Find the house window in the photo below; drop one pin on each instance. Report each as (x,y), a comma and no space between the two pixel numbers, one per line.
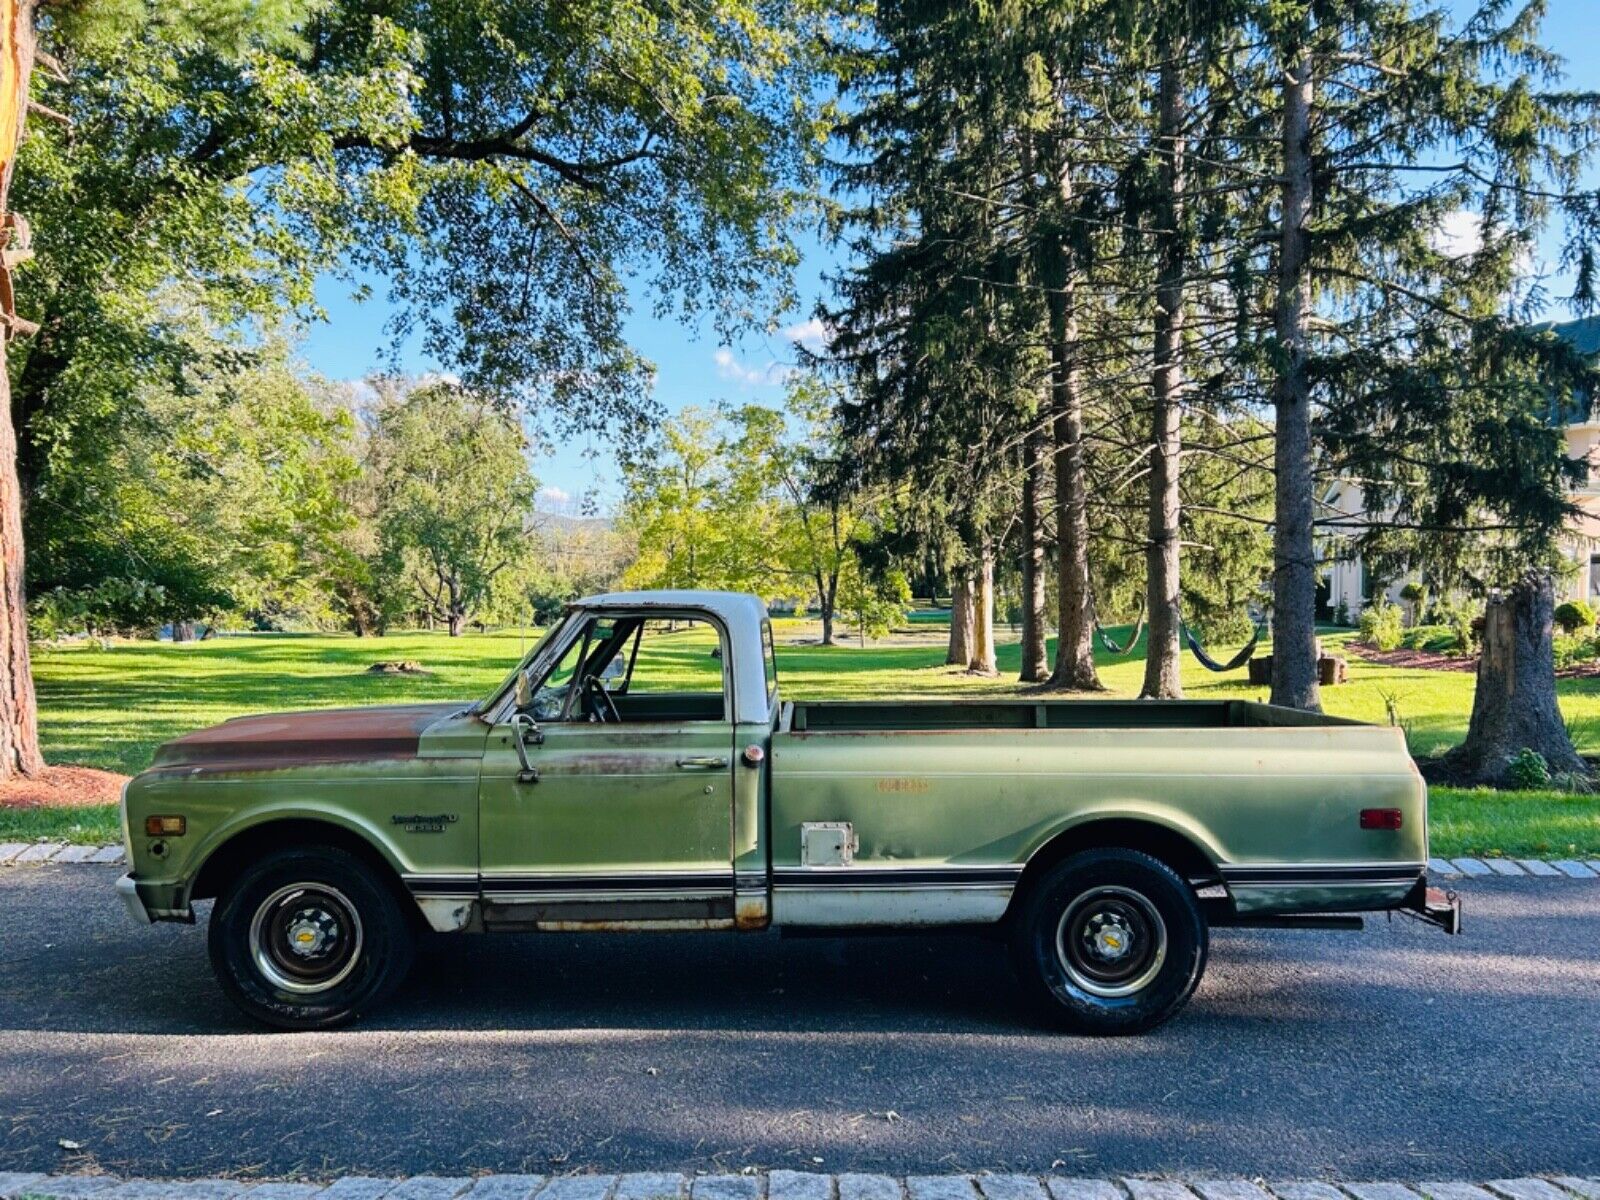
(1594,574)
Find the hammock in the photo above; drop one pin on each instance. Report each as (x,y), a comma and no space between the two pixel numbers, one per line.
(1234,663)
(1106,640)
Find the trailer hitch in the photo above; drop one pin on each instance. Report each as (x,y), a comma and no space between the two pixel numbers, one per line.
(1434,905)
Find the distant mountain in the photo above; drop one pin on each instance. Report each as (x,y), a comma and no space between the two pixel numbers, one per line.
(559,523)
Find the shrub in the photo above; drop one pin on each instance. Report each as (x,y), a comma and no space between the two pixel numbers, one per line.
(1575,616)
(1527,770)
(1574,651)
(1381,626)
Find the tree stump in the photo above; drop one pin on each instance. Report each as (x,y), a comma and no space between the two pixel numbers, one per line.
(1514,707)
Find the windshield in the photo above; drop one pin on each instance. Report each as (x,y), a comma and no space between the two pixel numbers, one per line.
(511,676)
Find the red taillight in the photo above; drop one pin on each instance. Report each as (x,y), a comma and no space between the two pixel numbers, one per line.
(1380,818)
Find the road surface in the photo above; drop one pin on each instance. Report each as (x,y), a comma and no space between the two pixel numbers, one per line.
(1393,1053)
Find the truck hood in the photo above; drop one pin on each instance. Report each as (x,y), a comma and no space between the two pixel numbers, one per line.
(275,740)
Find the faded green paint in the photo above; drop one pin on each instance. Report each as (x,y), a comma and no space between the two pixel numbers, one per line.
(926,787)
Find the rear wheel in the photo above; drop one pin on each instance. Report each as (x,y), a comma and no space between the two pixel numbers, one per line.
(308,938)
(1110,942)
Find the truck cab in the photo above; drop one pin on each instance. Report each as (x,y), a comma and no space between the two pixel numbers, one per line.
(623,778)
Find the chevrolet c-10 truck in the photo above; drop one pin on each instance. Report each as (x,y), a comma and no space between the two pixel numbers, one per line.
(638,770)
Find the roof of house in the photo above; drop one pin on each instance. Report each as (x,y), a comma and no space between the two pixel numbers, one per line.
(1584,333)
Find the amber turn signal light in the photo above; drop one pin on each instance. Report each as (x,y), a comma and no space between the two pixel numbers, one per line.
(165,826)
(1380,818)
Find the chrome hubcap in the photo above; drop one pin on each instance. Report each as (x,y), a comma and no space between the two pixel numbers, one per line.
(305,938)
(1111,941)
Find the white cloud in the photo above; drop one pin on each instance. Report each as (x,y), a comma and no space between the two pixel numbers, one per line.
(550,494)
(814,335)
(1458,234)
(730,366)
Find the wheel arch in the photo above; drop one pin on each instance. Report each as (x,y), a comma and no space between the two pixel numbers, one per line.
(243,846)
(1179,849)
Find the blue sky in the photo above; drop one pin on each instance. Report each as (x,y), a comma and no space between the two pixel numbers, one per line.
(692,366)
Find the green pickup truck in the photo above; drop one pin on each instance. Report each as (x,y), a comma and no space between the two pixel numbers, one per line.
(638,770)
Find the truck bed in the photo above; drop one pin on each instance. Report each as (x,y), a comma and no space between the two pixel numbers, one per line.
(846,716)
(943,803)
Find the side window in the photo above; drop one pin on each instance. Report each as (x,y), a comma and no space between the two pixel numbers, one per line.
(769,660)
(555,698)
(637,669)
(677,657)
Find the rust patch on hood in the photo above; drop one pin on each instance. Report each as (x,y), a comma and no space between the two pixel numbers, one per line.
(277,740)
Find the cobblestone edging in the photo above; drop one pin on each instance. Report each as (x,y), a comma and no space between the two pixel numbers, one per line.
(780,1185)
(37,853)
(27,854)
(1480,868)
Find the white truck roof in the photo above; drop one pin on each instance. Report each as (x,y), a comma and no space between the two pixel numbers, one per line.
(742,615)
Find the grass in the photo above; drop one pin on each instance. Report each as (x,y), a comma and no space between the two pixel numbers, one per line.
(1485,823)
(112,707)
(92,825)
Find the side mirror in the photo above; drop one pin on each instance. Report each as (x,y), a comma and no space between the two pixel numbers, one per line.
(525,732)
(523,696)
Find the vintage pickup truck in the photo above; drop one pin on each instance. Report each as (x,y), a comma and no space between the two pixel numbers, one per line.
(639,771)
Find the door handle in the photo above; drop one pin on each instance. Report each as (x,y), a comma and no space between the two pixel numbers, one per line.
(710,763)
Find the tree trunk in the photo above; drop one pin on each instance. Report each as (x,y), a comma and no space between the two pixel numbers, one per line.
(827,602)
(1294,557)
(1035,654)
(1514,707)
(1162,677)
(1074,667)
(961,618)
(19,717)
(183,631)
(981,659)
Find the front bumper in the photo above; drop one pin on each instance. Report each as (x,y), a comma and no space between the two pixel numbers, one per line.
(131,900)
(152,901)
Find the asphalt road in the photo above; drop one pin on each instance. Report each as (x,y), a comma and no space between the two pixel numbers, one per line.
(1396,1052)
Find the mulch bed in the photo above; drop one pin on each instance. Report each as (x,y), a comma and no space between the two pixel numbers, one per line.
(1432,660)
(1423,660)
(63,787)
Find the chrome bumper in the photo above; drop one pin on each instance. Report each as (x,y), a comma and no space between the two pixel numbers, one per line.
(129,891)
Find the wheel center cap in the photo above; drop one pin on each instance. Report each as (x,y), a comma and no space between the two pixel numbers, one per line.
(306,938)
(1111,942)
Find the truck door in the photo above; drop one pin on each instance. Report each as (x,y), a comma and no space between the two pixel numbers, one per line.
(624,811)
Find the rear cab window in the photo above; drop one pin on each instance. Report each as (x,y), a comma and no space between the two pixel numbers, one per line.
(769,661)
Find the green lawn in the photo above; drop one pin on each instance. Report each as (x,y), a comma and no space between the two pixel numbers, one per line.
(111,708)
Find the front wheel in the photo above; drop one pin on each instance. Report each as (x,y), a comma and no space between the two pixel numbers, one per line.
(307,938)
(1110,942)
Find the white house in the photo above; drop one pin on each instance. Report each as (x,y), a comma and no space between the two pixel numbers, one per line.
(1346,582)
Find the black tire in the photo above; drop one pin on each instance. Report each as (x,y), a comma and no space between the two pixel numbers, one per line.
(1109,942)
(309,938)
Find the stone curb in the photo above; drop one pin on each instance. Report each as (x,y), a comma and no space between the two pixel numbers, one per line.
(780,1185)
(1484,868)
(29,854)
(14,854)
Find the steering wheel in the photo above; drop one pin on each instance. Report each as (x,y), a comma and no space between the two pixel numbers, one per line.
(602,708)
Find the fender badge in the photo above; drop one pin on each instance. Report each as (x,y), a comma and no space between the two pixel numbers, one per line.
(424,823)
